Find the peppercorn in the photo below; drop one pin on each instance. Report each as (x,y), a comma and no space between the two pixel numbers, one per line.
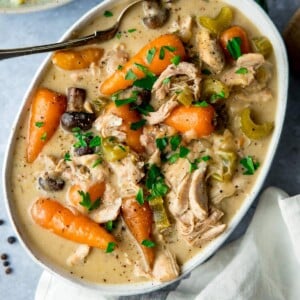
(6,263)
(11,239)
(4,256)
(8,270)
(1,222)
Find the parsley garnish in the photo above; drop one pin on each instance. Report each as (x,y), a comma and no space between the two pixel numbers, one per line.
(110,225)
(140,196)
(167,80)
(215,97)
(121,102)
(155,182)
(162,51)
(250,165)
(201,104)
(39,124)
(137,125)
(194,164)
(108,14)
(131,30)
(130,75)
(87,202)
(67,157)
(150,55)
(161,143)
(118,35)
(206,158)
(95,141)
(44,136)
(183,152)
(234,47)
(97,162)
(122,148)
(175,142)
(120,67)
(144,69)
(148,243)
(81,137)
(241,71)
(144,109)
(176,60)
(110,247)
(146,82)
(173,158)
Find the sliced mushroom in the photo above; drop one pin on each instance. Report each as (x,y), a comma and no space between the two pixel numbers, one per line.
(51,183)
(156,15)
(76,116)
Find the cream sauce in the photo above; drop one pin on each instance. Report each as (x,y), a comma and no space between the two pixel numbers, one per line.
(102,267)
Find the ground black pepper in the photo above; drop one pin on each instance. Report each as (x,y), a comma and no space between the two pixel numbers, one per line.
(1,222)
(6,263)
(8,270)
(11,239)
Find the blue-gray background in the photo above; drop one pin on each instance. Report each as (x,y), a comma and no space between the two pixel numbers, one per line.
(16,75)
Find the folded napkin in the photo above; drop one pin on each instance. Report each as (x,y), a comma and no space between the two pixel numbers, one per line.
(263,264)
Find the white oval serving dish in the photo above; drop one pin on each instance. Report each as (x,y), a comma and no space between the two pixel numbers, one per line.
(267,28)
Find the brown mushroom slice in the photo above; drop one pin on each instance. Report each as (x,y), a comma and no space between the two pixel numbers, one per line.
(156,15)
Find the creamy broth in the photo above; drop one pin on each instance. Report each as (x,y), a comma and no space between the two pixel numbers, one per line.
(118,266)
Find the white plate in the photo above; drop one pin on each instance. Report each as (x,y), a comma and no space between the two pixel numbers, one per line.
(267,28)
(27,7)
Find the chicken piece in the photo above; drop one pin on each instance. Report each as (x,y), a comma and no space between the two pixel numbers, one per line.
(264,95)
(116,57)
(165,266)
(94,72)
(79,255)
(163,112)
(209,235)
(155,158)
(250,62)
(128,172)
(162,91)
(183,27)
(210,52)
(108,124)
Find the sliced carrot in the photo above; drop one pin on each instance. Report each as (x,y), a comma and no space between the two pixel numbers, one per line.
(51,215)
(129,117)
(138,219)
(95,191)
(46,109)
(156,65)
(76,60)
(198,119)
(234,32)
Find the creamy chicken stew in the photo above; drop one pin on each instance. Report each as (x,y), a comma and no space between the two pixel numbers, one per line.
(137,152)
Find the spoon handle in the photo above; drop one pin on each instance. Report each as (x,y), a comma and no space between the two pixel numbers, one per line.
(98,36)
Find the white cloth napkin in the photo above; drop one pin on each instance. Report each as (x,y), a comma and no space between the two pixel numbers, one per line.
(263,265)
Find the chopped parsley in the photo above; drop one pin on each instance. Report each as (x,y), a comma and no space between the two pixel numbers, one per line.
(201,104)
(163,49)
(161,143)
(81,137)
(242,71)
(167,80)
(215,97)
(120,67)
(44,136)
(176,60)
(110,225)
(234,47)
(130,75)
(110,247)
(148,243)
(121,102)
(67,157)
(118,35)
(144,69)
(150,55)
(95,142)
(39,124)
(140,197)
(194,164)
(183,152)
(138,125)
(131,30)
(175,142)
(206,158)
(250,165)
(146,82)
(155,182)
(173,158)
(122,148)
(144,109)
(97,162)
(108,14)
(87,202)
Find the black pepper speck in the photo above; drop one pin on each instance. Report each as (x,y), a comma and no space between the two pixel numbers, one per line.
(4,256)
(11,239)
(8,270)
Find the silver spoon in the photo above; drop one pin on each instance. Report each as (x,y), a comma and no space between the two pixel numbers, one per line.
(97,36)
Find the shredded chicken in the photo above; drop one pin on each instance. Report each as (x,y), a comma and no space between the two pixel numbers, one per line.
(78,256)
(162,91)
(250,63)
(183,27)
(210,52)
